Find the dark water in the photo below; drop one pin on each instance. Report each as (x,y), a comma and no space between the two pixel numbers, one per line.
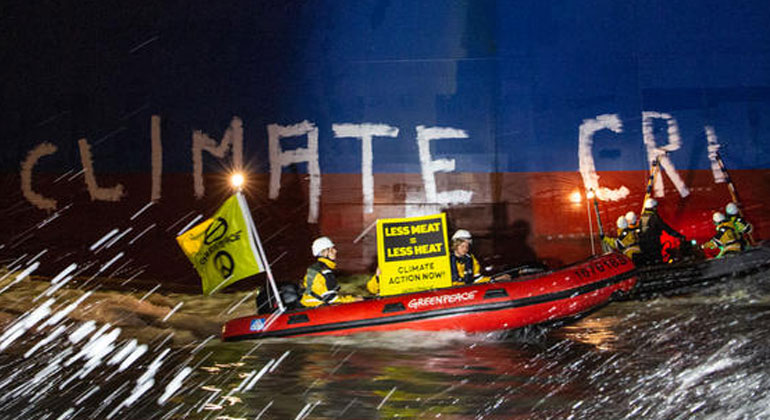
(143,356)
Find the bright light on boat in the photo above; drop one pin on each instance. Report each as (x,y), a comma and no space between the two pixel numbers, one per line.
(575,197)
(237,180)
(589,195)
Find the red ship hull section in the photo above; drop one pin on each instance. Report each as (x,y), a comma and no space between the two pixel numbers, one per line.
(515,218)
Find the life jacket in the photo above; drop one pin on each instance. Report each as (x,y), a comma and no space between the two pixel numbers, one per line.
(465,269)
(742,228)
(726,239)
(628,242)
(320,284)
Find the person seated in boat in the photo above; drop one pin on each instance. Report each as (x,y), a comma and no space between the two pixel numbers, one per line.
(742,227)
(651,227)
(464,265)
(633,221)
(320,284)
(726,238)
(627,241)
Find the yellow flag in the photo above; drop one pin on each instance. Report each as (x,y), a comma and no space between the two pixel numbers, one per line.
(222,248)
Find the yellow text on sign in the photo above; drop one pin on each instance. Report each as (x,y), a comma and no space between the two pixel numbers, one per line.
(412,254)
(412,230)
(414,250)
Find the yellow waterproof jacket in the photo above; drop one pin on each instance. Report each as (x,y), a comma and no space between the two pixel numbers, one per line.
(742,228)
(741,225)
(726,239)
(466,270)
(373,285)
(627,242)
(320,285)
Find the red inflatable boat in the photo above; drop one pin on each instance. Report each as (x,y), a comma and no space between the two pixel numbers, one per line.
(506,305)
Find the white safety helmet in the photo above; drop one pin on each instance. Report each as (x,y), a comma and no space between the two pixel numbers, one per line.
(650,203)
(622,222)
(718,217)
(731,209)
(320,244)
(631,218)
(462,234)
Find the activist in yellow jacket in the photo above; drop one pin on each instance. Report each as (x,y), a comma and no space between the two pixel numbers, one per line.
(627,240)
(742,227)
(466,270)
(320,285)
(465,267)
(726,238)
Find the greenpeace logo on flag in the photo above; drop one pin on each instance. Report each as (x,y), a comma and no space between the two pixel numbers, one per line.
(222,249)
(220,242)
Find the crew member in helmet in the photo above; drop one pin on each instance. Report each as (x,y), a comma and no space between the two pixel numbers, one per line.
(726,239)
(627,240)
(464,265)
(742,227)
(320,284)
(651,226)
(633,221)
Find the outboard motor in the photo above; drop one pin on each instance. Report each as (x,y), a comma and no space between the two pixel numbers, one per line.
(290,295)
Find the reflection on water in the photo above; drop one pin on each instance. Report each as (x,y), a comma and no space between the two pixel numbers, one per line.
(594,331)
(132,355)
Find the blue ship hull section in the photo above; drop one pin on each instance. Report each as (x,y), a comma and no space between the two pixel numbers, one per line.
(518,77)
(530,95)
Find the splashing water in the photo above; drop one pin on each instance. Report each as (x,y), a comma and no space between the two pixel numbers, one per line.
(68,353)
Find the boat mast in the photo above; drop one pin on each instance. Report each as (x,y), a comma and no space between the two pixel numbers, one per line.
(259,252)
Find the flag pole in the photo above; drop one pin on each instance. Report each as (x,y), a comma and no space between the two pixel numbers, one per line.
(590,225)
(605,247)
(733,191)
(259,252)
(651,179)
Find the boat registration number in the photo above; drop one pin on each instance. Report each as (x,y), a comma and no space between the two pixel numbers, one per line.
(592,269)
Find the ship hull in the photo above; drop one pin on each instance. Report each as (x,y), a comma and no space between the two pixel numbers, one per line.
(502,114)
